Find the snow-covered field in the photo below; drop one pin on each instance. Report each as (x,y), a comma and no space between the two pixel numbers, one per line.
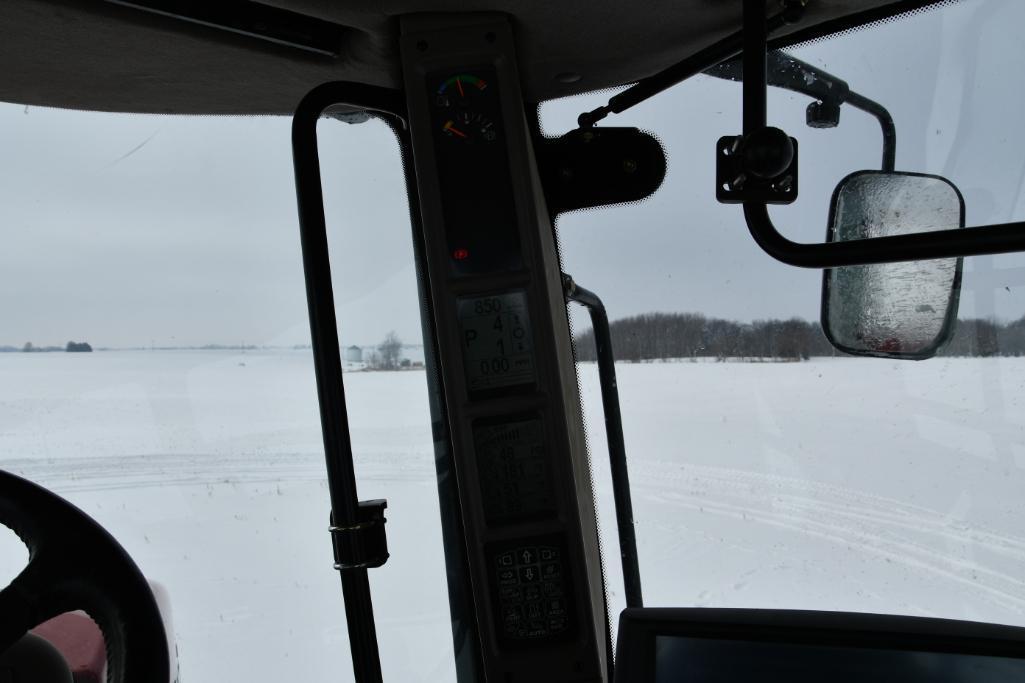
(832,484)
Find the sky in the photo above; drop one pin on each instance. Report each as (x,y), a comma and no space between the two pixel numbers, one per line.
(134,231)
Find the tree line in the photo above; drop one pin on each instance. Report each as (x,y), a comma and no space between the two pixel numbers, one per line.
(986,337)
(29,347)
(659,336)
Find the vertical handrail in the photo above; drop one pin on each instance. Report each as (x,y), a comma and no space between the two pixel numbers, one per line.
(341,478)
(614,436)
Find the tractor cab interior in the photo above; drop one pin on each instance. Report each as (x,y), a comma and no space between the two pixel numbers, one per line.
(494,173)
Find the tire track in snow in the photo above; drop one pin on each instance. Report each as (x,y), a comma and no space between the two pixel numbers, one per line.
(895,531)
(895,550)
(864,506)
(867,506)
(84,474)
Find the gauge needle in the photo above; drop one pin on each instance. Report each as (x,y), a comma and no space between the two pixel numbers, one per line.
(452,129)
(459,84)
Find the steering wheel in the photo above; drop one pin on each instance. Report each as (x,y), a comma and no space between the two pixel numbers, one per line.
(75,564)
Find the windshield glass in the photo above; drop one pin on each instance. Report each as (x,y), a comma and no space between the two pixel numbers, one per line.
(767,470)
(169,246)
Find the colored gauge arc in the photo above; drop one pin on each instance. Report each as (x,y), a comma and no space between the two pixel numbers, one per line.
(460,83)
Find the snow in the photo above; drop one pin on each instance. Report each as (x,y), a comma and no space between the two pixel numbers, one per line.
(831,484)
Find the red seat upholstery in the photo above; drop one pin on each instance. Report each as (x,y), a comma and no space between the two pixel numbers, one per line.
(80,640)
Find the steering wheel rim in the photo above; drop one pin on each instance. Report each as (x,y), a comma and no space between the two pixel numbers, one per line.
(74,564)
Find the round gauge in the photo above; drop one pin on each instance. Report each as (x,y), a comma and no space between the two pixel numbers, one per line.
(462,100)
(468,126)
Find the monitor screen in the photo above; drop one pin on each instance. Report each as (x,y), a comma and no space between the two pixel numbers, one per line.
(498,349)
(707,645)
(514,470)
(706,660)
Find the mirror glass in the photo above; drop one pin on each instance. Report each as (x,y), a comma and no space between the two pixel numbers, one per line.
(892,310)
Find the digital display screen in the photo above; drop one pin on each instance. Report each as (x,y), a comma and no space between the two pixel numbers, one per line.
(514,471)
(710,660)
(498,350)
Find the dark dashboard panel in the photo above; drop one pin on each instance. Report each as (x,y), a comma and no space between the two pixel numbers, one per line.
(703,660)
(515,470)
(473,171)
(498,347)
(518,456)
(664,645)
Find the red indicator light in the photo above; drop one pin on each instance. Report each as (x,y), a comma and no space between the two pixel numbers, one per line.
(461,254)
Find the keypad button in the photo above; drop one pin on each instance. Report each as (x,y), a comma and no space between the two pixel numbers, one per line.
(548,553)
(507,577)
(506,560)
(532,592)
(537,628)
(512,614)
(551,570)
(526,555)
(555,608)
(509,594)
(530,574)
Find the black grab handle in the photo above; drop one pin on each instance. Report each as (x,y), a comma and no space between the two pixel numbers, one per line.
(614,436)
(347,516)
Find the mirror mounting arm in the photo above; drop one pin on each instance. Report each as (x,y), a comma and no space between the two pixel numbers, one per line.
(761,165)
(989,239)
(889,129)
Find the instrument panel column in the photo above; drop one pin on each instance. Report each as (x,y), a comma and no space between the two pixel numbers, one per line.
(505,356)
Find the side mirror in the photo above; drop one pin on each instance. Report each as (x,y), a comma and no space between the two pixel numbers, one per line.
(904,310)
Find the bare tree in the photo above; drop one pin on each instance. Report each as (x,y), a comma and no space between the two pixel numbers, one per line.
(389,350)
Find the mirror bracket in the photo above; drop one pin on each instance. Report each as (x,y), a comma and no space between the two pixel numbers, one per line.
(823,114)
(593,167)
(978,240)
(757,167)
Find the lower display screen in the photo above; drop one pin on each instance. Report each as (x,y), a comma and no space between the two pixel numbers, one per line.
(514,472)
(498,350)
(710,660)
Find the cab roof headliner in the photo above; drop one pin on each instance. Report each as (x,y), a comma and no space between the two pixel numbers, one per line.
(97,55)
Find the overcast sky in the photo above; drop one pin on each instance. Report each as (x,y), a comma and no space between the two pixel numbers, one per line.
(128,230)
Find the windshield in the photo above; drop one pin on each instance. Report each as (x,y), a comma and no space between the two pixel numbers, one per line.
(191,431)
(767,470)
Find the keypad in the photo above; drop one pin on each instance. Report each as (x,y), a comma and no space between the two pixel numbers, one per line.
(532,592)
